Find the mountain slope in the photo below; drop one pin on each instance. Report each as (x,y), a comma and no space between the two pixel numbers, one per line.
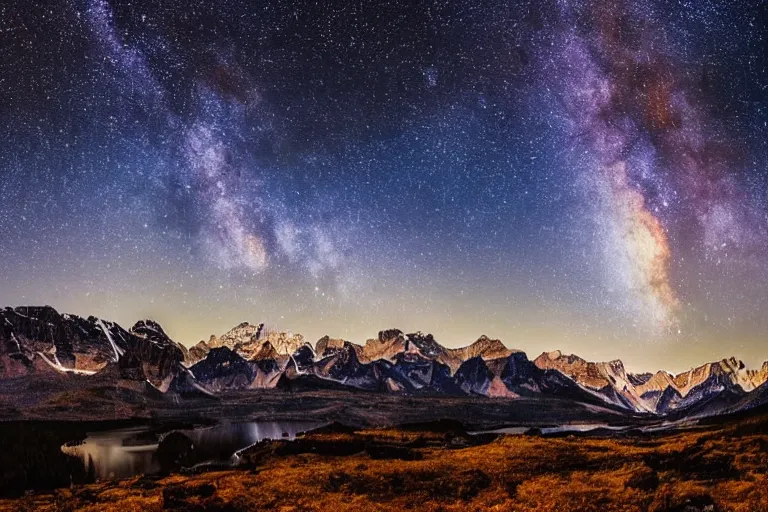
(40,342)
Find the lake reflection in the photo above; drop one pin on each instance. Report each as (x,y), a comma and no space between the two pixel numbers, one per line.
(128,452)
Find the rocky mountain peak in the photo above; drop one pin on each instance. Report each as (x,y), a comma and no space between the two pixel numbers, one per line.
(558,357)
(389,343)
(285,343)
(326,345)
(390,335)
(485,343)
(149,329)
(425,343)
(266,351)
(617,365)
(198,352)
(241,333)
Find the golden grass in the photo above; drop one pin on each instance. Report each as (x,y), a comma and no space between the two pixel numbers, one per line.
(515,473)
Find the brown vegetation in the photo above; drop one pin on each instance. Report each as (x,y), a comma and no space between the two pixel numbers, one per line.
(439,468)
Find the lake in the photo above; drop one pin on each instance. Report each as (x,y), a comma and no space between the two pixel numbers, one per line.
(127,452)
(575,428)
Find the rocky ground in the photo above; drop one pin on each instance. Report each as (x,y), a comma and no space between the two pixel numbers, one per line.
(437,466)
(65,400)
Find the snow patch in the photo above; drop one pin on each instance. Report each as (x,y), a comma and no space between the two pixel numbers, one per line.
(118,351)
(57,366)
(13,338)
(296,365)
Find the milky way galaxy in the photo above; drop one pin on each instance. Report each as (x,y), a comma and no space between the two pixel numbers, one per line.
(234,212)
(619,165)
(583,175)
(647,154)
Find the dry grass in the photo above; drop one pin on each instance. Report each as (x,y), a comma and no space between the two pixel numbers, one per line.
(721,469)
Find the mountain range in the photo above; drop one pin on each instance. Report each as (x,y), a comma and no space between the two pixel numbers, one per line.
(39,342)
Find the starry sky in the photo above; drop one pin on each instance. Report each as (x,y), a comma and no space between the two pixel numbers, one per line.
(588,175)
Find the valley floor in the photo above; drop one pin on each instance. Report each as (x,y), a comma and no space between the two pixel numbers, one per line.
(68,400)
(438,467)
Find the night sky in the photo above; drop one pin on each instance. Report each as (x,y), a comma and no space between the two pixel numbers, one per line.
(588,176)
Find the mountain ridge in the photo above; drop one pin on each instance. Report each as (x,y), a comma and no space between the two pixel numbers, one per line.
(41,342)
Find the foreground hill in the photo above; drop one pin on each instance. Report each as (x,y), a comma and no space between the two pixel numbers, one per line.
(439,467)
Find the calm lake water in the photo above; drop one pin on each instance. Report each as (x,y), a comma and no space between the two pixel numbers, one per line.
(586,427)
(128,452)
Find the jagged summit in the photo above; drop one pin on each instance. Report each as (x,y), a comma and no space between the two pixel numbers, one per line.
(252,341)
